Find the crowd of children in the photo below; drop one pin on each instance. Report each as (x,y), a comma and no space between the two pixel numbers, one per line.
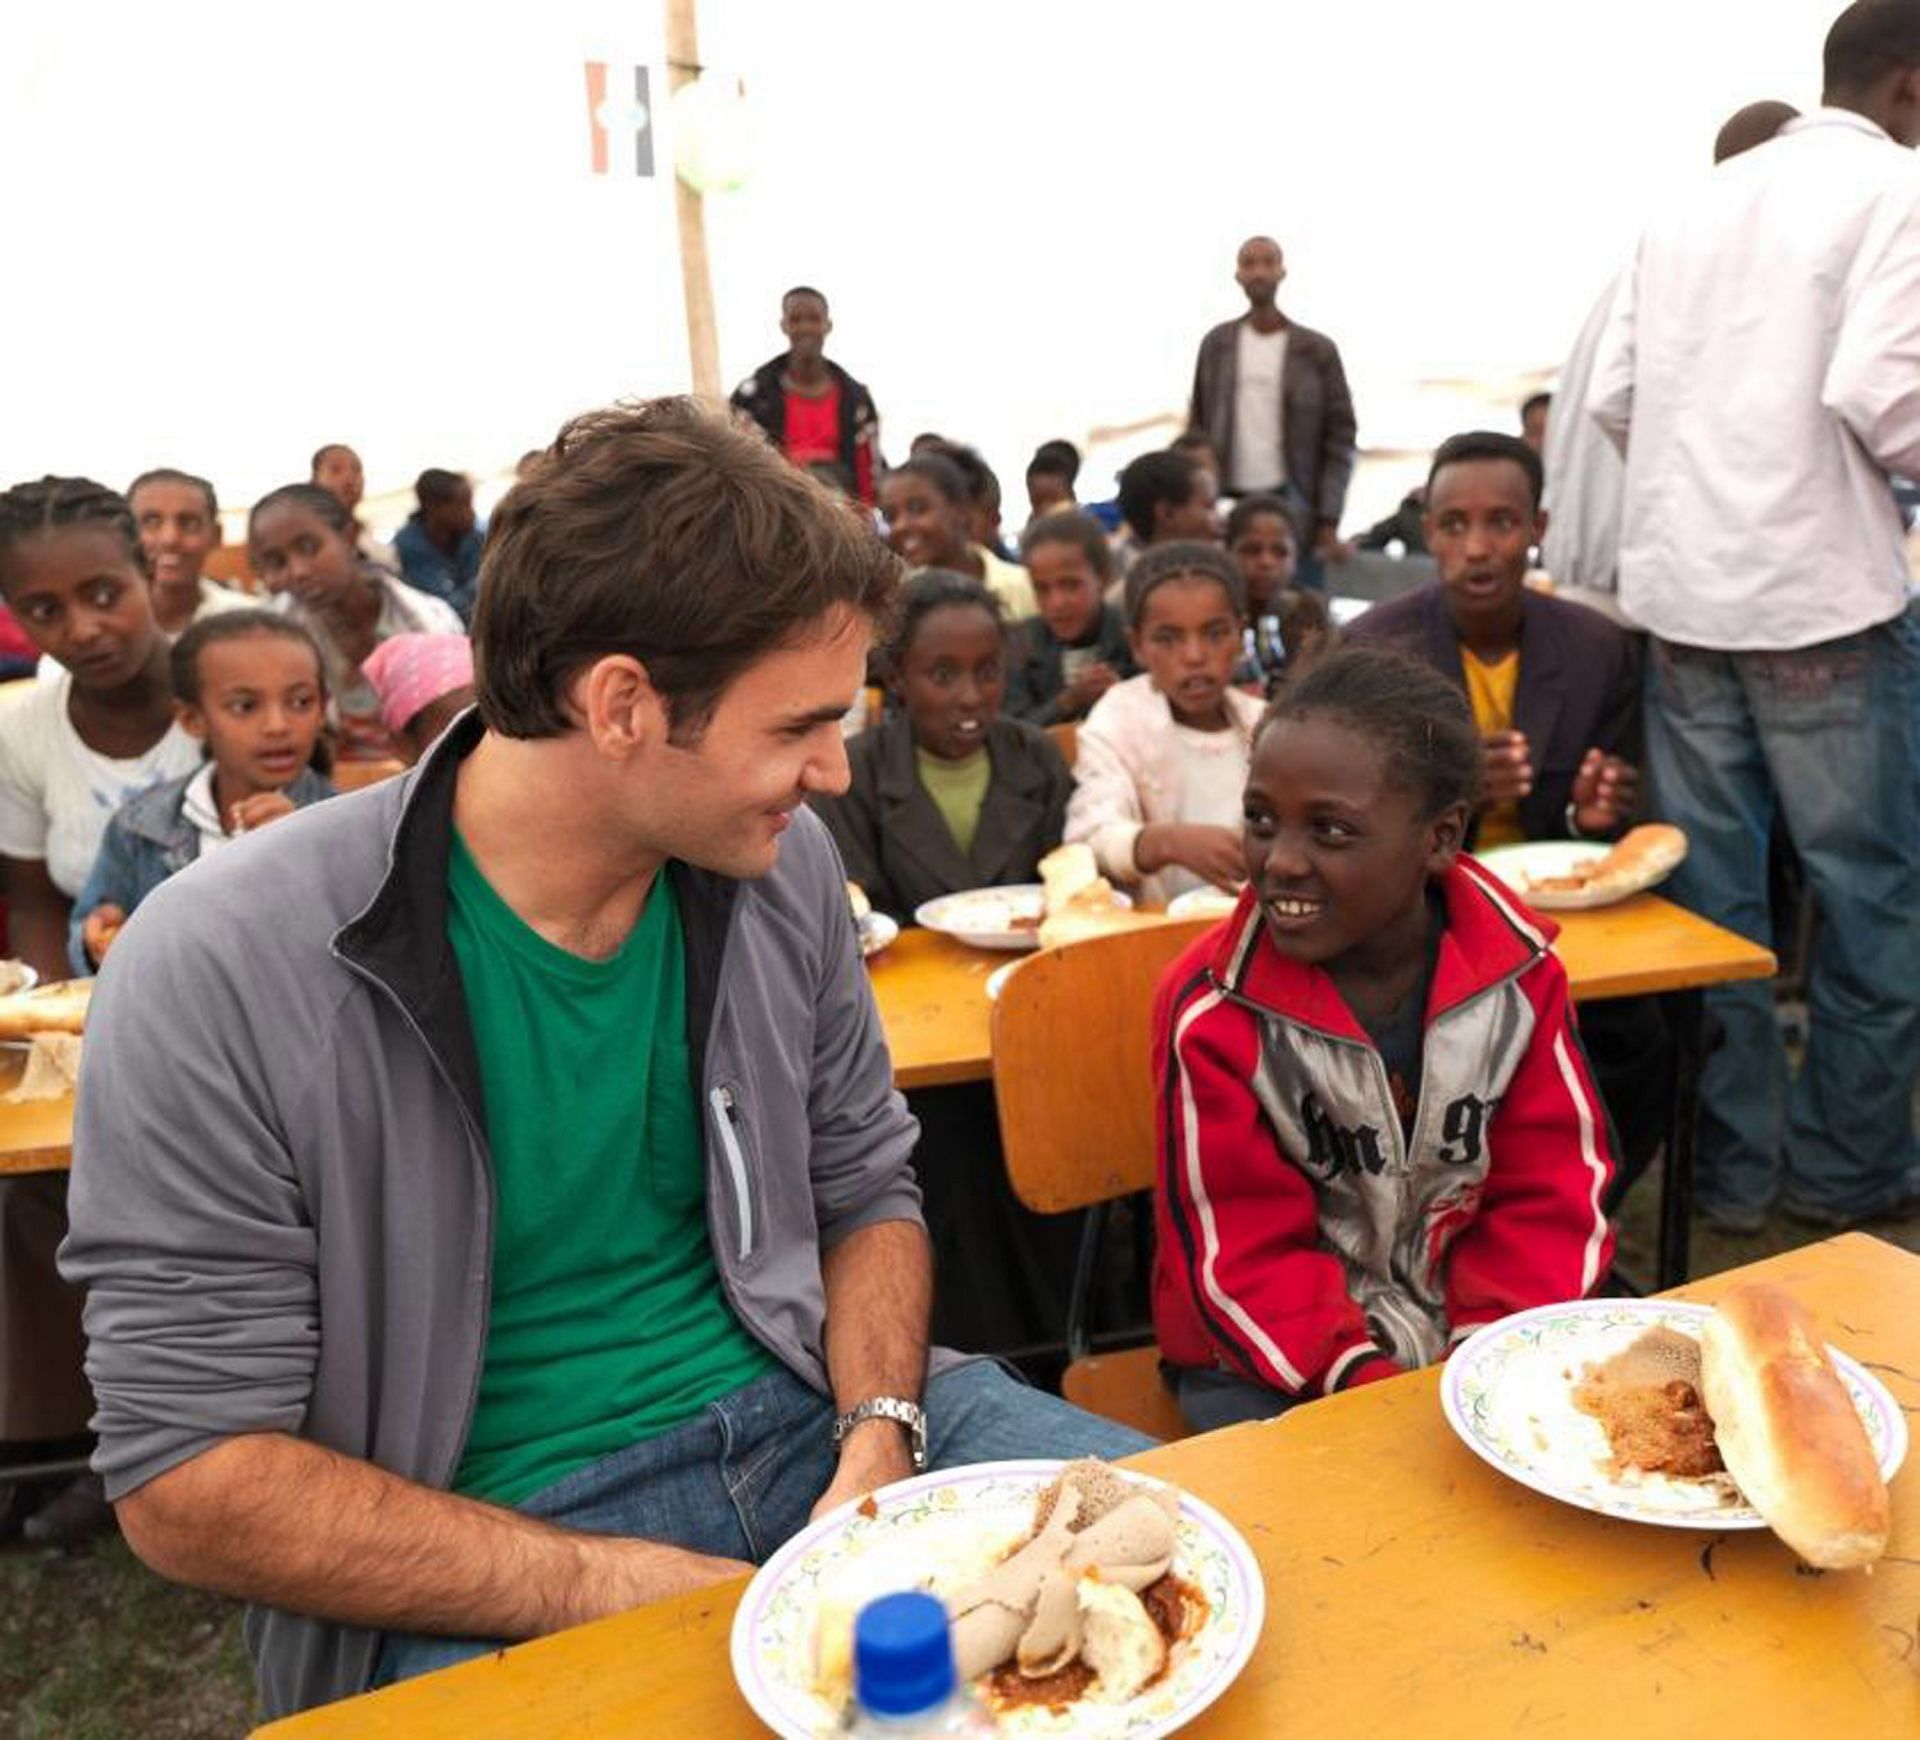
(1381,1124)
(1212,742)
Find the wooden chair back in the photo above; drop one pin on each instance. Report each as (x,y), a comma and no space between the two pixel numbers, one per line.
(1066,739)
(1073,1065)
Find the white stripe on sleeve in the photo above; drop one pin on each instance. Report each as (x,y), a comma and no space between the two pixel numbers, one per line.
(1197,1188)
(1590,1158)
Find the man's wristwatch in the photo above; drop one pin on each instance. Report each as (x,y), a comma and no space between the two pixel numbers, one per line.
(893,1408)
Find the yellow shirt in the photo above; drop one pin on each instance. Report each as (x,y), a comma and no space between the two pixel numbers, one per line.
(1490,692)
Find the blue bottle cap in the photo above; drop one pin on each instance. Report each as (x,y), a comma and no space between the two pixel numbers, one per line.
(902,1655)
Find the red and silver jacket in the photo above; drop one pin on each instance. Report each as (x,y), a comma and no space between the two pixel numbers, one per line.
(1304,1242)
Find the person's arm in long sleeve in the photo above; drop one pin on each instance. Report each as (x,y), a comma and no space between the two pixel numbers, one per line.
(1610,392)
(1339,434)
(1539,1234)
(1873,381)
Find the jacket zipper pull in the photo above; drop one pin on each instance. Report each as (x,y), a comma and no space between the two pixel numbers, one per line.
(723,1103)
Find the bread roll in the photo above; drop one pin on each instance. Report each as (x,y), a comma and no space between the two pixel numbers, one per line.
(1645,852)
(58,1008)
(1788,1431)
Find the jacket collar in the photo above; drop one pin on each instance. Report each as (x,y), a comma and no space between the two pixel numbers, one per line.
(400,938)
(1016,796)
(1541,685)
(1490,938)
(158,815)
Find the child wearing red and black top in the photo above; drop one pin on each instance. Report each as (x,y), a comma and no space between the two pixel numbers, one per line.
(816,413)
(1377,1128)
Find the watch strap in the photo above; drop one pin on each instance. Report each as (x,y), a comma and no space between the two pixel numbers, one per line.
(895,1408)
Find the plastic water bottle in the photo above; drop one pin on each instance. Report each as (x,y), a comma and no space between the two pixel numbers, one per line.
(903,1676)
(1249,669)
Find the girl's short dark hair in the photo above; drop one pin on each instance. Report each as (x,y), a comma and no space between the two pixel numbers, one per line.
(1420,722)
(233,625)
(1183,559)
(930,590)
(660,530)
(934,467)
(1252,507)
(55,504)
(314,499)
(1070,526)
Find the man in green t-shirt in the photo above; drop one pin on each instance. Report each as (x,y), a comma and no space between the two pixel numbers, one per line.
(502,1214)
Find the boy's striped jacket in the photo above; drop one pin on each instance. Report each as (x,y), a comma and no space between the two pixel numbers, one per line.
(1303,1242)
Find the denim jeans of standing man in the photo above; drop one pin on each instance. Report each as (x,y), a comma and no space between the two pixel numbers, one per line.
(742,1476)
(1829,736)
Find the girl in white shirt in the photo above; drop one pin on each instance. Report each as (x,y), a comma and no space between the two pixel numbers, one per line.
(71,752)
(74,749)
(1162,758)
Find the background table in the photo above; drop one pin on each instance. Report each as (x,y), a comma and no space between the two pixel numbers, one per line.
(933,1005)
(1411,1590)
(933,1001)
(37,1136)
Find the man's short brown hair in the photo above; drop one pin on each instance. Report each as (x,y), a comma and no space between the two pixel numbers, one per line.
(661,531)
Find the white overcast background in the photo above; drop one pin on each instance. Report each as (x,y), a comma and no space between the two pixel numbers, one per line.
(234,231)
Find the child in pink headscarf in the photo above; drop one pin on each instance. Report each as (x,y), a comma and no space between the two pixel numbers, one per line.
(422,681)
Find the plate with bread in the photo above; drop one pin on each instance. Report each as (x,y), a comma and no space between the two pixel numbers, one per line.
(1731,1416)
(1572,875)
(58,1007)
(1072,899)
(1084,1599)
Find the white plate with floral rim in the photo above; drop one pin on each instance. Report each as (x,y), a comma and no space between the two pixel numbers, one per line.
(940,1531)
(1508,1392)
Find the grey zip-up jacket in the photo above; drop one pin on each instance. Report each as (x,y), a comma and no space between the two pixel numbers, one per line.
(282,1194)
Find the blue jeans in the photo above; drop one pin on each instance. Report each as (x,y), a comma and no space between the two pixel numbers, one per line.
(741,1477)
(1211,1399)
(1830,737)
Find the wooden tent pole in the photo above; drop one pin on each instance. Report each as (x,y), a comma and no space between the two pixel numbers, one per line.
(696,277)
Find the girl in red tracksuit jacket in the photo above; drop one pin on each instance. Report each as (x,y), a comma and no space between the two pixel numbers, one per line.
(1377,1128)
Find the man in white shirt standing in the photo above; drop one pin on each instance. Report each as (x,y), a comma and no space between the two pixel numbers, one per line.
(1762,374)
(1584,471)
(1272,397)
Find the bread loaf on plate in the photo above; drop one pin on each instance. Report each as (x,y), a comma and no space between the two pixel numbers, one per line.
(58,1008)
(1788,1431)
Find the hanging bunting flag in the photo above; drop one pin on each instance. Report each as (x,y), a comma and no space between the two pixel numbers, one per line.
(617,124)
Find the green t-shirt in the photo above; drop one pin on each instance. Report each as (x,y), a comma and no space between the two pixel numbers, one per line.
(958,789)
(608,1323)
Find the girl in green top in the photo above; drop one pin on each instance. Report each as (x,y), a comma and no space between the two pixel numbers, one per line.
(947,794)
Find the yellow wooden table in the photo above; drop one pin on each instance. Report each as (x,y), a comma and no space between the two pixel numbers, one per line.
(1411,1591)
(37,1136)
(933,1001)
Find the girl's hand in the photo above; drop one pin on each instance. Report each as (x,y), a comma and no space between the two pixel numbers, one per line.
(101,926)
(1202,847)
(1604,791)
(256,811)
(1089,686)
